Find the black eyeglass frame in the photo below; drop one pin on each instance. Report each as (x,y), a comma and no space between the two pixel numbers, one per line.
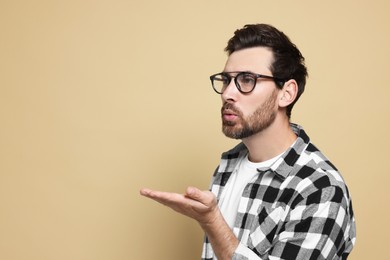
(279,82)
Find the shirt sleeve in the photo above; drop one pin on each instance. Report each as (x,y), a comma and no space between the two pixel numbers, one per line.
(315,228)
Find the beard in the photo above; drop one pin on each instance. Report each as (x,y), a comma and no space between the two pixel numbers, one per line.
(259,120)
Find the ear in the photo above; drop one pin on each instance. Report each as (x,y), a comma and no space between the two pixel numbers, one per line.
(288,93)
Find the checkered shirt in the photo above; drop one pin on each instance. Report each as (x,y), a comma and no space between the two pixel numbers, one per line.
(299,208)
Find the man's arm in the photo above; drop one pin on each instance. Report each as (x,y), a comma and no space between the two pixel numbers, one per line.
(315,227)
(201,206)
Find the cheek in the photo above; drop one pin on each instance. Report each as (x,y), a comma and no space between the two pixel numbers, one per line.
(249,108)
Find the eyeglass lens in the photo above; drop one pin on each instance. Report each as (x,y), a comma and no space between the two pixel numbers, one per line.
(245,82)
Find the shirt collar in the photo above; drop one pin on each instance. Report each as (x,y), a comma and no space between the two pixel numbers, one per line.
(282,166)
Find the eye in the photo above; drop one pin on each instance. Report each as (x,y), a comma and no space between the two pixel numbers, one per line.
(246,79)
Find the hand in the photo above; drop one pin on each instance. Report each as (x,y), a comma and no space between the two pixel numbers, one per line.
(199,205)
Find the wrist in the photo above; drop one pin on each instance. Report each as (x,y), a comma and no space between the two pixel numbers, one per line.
(212,219)
(221,237)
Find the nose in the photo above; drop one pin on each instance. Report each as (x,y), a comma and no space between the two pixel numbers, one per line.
(230,93)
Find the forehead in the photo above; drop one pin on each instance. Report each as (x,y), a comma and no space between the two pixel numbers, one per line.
(255,59)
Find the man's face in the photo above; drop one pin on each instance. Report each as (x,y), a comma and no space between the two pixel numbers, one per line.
(244,115)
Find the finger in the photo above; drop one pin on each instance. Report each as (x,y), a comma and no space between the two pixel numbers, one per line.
(162,197)
(145,191)
(193,193)
(149,193)
(153,193)
(204,197)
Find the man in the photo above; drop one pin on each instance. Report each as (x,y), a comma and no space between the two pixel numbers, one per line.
(274,195)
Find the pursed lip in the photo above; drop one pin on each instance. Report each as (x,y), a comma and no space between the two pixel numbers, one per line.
(228,112)
(229,115)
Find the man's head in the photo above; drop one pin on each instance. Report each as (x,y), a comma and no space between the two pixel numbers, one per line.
(287,62)
(263,77)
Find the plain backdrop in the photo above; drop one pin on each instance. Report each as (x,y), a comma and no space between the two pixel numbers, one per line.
(100,98)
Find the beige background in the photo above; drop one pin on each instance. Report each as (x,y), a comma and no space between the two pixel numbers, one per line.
(101,98)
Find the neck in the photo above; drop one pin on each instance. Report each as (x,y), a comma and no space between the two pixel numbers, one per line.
(270,142)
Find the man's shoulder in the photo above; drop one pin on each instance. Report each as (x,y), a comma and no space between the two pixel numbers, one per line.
(314,167)
(313,157)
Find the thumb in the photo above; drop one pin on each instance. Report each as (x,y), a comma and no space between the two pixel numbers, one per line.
(204,197)
(193,193)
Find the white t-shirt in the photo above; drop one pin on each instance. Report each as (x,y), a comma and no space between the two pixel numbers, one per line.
(245,172)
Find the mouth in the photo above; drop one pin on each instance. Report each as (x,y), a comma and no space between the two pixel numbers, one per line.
(229,115)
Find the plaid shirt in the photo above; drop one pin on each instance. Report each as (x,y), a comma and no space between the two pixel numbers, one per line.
(299,208)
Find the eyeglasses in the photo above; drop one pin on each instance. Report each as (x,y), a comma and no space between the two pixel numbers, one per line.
(245,81)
